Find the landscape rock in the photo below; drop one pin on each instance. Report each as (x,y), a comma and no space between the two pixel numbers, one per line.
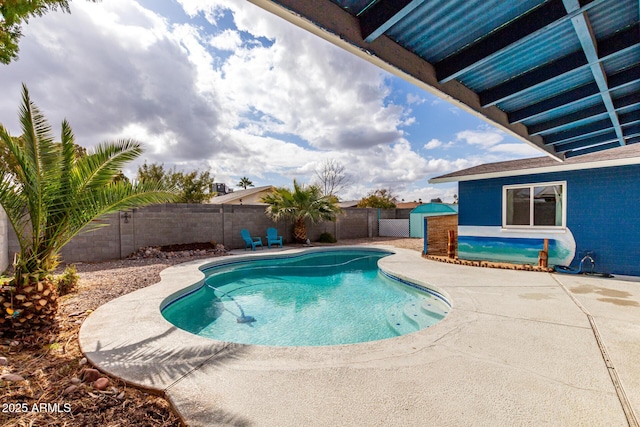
(76,381)
(180,251)
(90,375)
(3,361)
(11,377)
(101,383)
(70,389)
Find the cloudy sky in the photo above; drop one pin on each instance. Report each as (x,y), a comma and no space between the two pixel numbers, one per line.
(225,86)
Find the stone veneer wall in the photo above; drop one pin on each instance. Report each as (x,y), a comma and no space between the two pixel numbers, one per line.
(125,232)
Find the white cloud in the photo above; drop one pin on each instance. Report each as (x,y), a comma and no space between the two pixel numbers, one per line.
(226,40)
(519,149)
(434,143)
(415,99)
(484,137)
(427,193)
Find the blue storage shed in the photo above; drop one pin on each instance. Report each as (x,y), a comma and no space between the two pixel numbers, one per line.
(586,204)
(420,212)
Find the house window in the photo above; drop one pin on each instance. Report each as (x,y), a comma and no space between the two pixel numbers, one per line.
(534,205)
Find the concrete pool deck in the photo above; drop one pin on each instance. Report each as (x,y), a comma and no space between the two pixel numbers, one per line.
(518,348)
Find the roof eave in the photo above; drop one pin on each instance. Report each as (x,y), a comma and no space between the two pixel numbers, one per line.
(545,169)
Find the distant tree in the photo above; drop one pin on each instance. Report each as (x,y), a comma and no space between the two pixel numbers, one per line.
(436,200)
(302,204)
(14,13)
(381,198)
(245,182)
(120,177)
(455,199)
(332,177)
(192,187)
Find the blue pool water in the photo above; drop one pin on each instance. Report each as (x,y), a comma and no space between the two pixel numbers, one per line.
(319,298)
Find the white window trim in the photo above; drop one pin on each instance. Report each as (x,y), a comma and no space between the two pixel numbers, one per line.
(531,211)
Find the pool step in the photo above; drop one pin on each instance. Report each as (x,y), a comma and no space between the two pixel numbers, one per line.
(434,308)
(398,322)
(420,318)
(415,315)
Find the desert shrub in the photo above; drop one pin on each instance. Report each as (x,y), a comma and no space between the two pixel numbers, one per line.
(67,282)
(327,238)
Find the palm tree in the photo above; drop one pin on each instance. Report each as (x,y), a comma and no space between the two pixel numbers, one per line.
(50,194)
(302,204)
(245,182)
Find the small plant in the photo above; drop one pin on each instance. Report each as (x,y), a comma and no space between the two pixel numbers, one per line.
(327,238)
(67,282)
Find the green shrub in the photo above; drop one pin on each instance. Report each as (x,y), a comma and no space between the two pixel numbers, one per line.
(327,238)
(67,282)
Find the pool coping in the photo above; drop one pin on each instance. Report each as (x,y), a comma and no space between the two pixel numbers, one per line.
(129,338)
(103,330)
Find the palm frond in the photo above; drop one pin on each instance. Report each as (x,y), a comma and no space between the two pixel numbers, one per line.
(98,168)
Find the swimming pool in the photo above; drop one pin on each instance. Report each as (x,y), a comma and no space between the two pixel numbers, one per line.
(319,298)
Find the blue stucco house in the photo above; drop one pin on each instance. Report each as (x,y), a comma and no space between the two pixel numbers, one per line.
(586,204)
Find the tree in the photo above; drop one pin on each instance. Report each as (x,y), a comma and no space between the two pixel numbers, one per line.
(331,177)
(302,204)
(50,195)
(192,187)
(381,198)
(16,12)
(9,164)
(245,182)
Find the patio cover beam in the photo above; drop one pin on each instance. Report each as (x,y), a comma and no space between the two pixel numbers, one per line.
(616,81)
(586,142)
(382,15)
(579,132)
(630,100)
(597,127)
(609,48)
(586,113)
(520,30)
(583,29)
(329,21)
(593,149)
(632,132)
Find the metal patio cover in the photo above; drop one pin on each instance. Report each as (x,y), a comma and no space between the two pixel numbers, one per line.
(562,75)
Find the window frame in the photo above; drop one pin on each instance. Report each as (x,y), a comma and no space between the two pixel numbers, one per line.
(531,187)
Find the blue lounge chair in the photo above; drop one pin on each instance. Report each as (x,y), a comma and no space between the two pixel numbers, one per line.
(273,238)
(250,242)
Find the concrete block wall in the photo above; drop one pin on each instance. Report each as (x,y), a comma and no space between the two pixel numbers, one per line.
(255,220)
(4,240)
(97,245)
(159,225)
(438,233)
(168,224)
